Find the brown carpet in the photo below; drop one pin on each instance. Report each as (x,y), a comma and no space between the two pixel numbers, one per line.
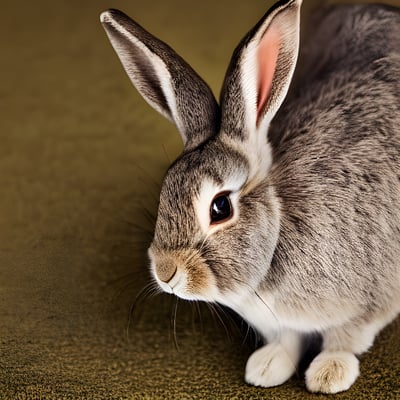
(81,158)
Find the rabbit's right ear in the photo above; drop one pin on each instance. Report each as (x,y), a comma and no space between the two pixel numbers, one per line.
(260,73)
(164,79)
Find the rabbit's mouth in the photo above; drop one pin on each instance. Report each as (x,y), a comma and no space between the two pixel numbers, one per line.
(183,273)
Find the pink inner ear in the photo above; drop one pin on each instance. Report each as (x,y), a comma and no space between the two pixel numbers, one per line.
(267,55)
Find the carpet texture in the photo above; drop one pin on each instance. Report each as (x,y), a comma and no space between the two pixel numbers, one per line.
(81,160)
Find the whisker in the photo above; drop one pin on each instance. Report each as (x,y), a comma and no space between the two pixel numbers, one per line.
(166,154)
(123,282)
(150,179)
(215,311)
(190,258)
(153,192)
(251,337)
(137,228)
(150,217)
(202,245)
(253,291)
(198,310)
(121,285)
(235,322)
(173,322)
(146,292)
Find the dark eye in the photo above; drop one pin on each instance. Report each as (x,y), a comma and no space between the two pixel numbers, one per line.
(221,208)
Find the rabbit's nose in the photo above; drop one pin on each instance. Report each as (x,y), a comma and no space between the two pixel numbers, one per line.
(166,271)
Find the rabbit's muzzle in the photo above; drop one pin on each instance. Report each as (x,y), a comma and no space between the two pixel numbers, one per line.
(183,273)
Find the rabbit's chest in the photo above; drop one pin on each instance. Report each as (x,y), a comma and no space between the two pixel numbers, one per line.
(269,314)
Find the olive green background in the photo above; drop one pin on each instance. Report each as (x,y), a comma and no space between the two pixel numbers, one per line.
(81,160)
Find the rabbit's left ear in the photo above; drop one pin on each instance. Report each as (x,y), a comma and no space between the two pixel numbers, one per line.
(164,79)
(260,73)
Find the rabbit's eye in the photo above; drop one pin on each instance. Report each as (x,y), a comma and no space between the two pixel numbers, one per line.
(221,208)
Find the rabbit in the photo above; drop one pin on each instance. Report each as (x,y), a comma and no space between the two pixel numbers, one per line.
(284,205)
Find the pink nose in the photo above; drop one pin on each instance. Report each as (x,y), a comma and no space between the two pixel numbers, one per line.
(165,271)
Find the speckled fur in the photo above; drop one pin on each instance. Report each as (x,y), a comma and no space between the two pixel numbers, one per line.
(336,169)
(315,243)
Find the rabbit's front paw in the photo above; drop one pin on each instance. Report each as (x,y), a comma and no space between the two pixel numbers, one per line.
(332,372)
(271,365)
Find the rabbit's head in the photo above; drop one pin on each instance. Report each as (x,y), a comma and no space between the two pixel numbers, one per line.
(218,216)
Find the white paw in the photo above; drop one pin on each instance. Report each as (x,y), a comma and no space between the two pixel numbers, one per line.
(270,365)
(332,372)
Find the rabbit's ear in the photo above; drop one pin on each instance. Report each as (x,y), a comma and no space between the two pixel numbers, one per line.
(164,79)
(260,72)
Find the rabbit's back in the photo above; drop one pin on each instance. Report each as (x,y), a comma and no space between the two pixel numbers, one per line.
(343,37)
(336,166)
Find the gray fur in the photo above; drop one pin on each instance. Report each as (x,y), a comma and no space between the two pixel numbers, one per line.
(190,92)
(337,171)
(176,222)
(319,235)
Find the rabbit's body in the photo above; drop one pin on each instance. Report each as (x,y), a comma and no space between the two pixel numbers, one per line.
(291,218)
(336,175)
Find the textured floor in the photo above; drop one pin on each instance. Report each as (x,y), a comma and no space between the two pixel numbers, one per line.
(81,158)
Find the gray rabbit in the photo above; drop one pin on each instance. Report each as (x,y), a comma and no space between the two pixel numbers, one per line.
(285,204)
